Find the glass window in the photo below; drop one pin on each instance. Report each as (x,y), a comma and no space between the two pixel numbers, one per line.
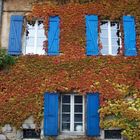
(72,113)
(112,134)
(35,36)
(66,126)
(31,133)
(78,127)
(66,118)
(78,117)
(110,37)
(65,108)
(66,99)
(78,99)
(78,108)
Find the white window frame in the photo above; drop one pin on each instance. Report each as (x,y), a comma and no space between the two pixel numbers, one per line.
(35,40)
(109,36)
(72,132)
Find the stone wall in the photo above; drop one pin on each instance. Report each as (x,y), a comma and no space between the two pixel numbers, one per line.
(12,7)
(11,133)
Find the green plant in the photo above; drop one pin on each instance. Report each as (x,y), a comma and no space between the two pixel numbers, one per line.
(5,60)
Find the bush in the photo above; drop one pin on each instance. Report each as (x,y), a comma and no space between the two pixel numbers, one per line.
(5,60)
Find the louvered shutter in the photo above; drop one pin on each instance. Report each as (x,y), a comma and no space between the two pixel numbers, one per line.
(129,36)
(53,36)
(15,35)
(51,114)
(93,119)
(92,35)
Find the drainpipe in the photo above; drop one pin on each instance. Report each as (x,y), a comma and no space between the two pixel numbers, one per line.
(1,10)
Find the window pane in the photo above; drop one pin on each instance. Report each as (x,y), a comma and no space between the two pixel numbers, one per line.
(104,33)
(29,50)
(66,99)
(35,29)
(65,117)
(78,127)
(41,33)
(78,108)
(65,126)
(113,134)
(115,33)
(78,99)
(104,50)
(31,133)
(30,25)
(65,108)
(30,41)
(40,41)
(30,32)
(29,45)
(104,25)
(104,41)
(115,50)
(78,117)
(104,37)
(40,50)
(40,24)
(114,25)
(115,41)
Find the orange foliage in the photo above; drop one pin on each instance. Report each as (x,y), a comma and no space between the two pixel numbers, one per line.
(23,86)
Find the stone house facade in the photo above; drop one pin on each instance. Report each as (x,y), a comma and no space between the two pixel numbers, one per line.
(75,112)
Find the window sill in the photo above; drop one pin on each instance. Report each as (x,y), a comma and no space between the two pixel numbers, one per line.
(70,135)
(114,139)
(73,133)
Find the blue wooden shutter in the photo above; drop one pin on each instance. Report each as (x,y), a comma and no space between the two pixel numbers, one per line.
(51,114)
(129,36)
(15,35)
(92,35)
(53,36)
(93,119)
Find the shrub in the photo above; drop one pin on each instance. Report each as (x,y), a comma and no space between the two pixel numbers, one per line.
(5,60)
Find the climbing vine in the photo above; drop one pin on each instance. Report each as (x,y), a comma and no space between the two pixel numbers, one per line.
(124,114)
(116,78)
(72,21)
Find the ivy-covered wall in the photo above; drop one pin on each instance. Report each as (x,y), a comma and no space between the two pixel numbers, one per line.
(116,78)
(72,20)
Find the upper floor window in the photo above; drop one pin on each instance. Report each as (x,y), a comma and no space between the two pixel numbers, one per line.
(110,37)
(35,36)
